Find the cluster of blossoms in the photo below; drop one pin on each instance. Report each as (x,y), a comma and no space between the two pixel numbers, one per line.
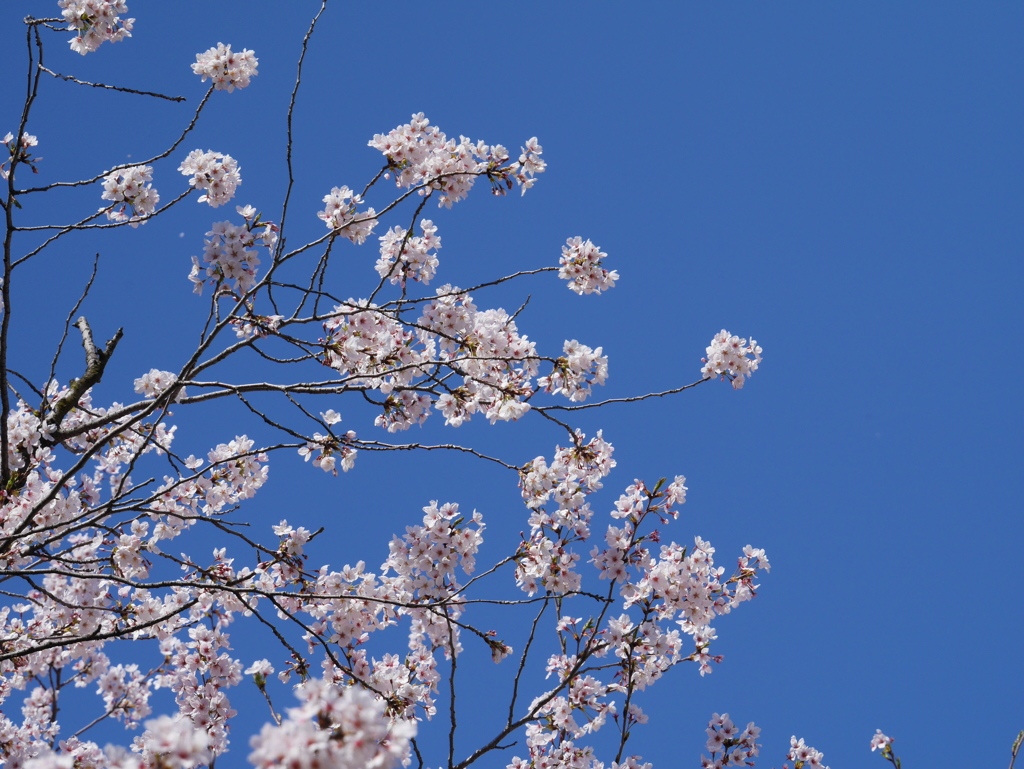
(226,68)
(228,255)
(415,556)
(214,172)
(252,325)
(18,151)
(342,728)
(484,347)
(125,692)
(39,501)
(496,362)
(412,255)
(680,585)
(581,266)
(96,22)
(727,357)
(425,560)
(340,213)
(156,382)
(325,450)
(346,606)
(236,473)
(168,743)
(190,739)
(529,165)
(129,188)
(545,560)
(564,719)
(803,755)
(173,742)
(736,748)
(549,754)
(374,349)
(377,350)
(199,671)
(567,755)
(44,510)
(576,371)
(585,695)
(420,154)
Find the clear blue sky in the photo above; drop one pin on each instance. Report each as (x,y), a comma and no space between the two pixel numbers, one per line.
(841,181)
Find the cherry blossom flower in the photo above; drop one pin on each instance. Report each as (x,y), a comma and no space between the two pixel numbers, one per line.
(880,741)
(228,257)
(18,151)
(214,172)
(340,214)
(803,755)
(174,743)
(226,68)
(96,21)
(581,266)
(576,371)
(728,746)
(325,450)
(529,165)
(253,326)
(727,357)
(340,727)
(420,154)
(156,382)
(260,670)
(412,254)
(128,187)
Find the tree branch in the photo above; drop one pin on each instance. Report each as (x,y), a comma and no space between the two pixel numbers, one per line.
(95,363)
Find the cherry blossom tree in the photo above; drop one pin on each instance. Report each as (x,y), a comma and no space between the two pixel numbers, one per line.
(105,525)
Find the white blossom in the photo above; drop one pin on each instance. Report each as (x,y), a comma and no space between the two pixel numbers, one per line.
(731,358)
(96,21)
(226,68)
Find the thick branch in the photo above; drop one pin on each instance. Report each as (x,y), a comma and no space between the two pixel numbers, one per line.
(95,363)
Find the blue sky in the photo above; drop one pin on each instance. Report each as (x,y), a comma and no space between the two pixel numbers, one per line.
(842,183)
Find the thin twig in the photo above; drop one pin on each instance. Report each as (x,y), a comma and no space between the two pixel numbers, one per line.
(1016,748)
(290,134)
(67,327)
(123,89)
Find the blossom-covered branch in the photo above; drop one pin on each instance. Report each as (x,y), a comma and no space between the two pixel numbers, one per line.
(115,541)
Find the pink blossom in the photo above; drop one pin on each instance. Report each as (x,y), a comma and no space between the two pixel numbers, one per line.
(226,68)
(581,266)
(216,173)
(355,733)
(880,742)
(340,213)
(731,358)
(96,21)
(128,187)
(412,254)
